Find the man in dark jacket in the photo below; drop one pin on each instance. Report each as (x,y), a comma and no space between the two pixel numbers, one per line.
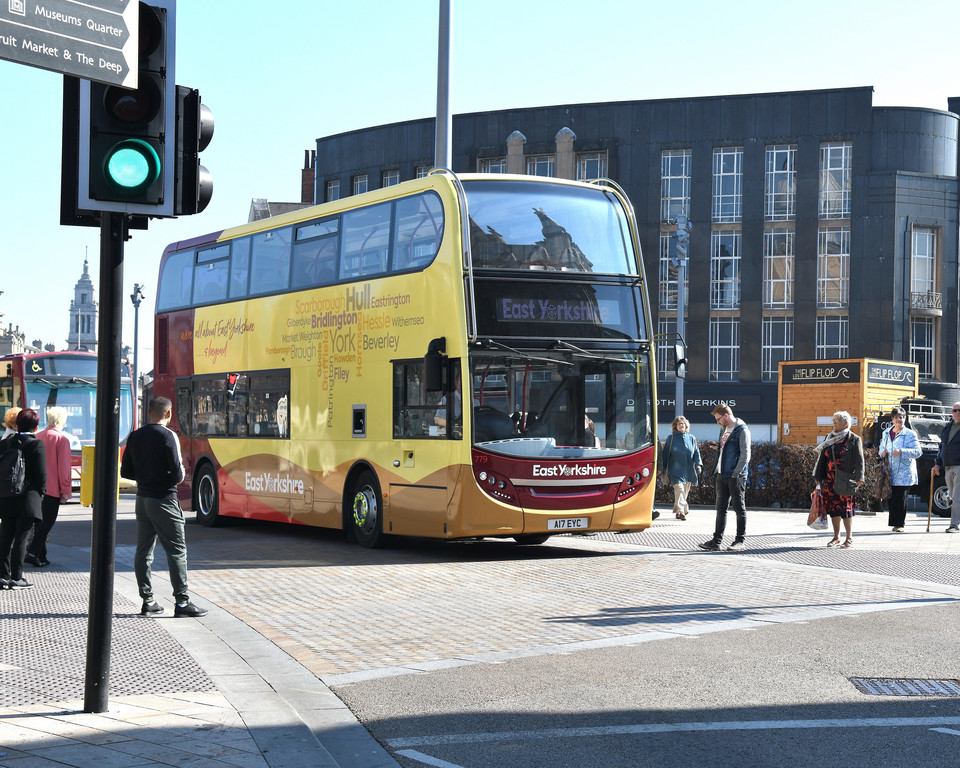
(730,478)
(948,462)
(21,513)
(152,458)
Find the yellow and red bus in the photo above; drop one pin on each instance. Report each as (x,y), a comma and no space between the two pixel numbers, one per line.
(40,380)
(452,357)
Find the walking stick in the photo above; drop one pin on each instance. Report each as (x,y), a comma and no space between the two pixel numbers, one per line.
(930,505)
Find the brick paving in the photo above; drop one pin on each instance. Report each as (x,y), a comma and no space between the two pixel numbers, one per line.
(287,600)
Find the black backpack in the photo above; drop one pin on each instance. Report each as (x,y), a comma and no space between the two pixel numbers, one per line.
(12,468)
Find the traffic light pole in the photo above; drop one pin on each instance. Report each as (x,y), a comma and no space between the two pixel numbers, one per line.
(113,233)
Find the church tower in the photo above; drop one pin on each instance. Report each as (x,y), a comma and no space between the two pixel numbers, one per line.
(83,314)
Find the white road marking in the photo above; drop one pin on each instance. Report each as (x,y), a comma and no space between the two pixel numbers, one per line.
(426,759)
(644,728)
(946,730)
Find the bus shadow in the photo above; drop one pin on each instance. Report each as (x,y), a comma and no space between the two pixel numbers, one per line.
(254,544)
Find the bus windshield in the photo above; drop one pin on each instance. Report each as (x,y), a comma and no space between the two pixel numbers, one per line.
(547,227)
(79,398)
(564,408)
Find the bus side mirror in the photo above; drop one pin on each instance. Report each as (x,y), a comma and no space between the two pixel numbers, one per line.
(433,365)
(680,360)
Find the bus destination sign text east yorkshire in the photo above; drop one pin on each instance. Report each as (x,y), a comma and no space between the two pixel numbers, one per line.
(95,40)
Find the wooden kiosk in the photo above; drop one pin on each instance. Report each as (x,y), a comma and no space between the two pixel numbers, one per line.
(811,391)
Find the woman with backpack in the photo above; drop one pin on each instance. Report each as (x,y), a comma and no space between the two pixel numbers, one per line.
(20,514)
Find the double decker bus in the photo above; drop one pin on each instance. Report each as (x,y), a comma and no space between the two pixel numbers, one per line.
(68,379)
(452,357)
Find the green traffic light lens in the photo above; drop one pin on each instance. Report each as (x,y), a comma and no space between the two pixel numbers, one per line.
(132,165)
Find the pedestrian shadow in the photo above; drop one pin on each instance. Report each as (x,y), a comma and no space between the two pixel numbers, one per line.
(681,613)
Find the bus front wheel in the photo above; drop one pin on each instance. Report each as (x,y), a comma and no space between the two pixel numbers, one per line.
(206,497)
(531,538)
(365,512)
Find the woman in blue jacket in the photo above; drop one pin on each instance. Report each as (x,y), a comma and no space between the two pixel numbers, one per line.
(900,446)
(681,463)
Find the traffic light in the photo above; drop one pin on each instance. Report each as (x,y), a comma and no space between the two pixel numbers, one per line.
(194,184)
(126,143)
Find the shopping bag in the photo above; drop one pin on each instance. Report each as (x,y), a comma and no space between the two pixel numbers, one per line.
(817,519)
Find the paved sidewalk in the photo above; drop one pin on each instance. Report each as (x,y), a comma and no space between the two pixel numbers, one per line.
(210,692)
(228,691)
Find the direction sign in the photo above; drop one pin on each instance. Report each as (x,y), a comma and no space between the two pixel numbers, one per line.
(94,40)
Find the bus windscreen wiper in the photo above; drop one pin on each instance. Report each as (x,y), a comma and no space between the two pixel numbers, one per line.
(577,352)
(522,355)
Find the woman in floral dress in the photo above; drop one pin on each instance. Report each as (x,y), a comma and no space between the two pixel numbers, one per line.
(841,449)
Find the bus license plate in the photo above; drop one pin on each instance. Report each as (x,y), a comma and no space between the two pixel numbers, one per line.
(568,524)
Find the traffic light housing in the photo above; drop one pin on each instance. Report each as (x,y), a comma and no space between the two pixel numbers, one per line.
(194,184)
(126,152)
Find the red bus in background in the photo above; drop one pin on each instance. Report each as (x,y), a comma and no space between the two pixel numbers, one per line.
(67,379)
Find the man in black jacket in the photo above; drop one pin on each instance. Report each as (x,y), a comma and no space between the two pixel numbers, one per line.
(948,461)
(152,458)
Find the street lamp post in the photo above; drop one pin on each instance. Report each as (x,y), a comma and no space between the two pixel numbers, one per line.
(680,261)
(136,297)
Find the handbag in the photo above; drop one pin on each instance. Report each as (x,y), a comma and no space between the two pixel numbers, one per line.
(885,480)
(844,483)
(817,519)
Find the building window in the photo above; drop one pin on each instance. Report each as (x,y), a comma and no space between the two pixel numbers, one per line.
(390,178)
(923,334)
(360,184)
(724,348)
(833,267)
(780,194)
(777,345)
(923,275)
(778,269)
(542,165)
(591,166)
(675,183)
(666,337)
(493,165)
(333,190)
(833,337)
(836,164)
(423,170)
(727,184)
(668,274)
(725,270)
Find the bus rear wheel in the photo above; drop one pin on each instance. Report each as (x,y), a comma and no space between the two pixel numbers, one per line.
(365,513)
(531,538)
(206,497)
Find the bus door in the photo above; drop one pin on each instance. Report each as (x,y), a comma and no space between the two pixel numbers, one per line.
(428,450)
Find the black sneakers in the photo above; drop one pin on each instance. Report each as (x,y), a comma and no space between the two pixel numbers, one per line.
(711,546)
(189,610)
(737,546)
(152,608)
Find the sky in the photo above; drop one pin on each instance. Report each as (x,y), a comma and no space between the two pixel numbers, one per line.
(277,76)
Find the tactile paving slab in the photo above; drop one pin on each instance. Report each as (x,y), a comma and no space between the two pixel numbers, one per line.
(38,665)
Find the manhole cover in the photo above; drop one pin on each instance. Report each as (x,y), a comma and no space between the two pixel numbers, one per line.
(894,686)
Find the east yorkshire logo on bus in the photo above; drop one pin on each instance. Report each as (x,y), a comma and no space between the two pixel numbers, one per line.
(568,470)
(272,483)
